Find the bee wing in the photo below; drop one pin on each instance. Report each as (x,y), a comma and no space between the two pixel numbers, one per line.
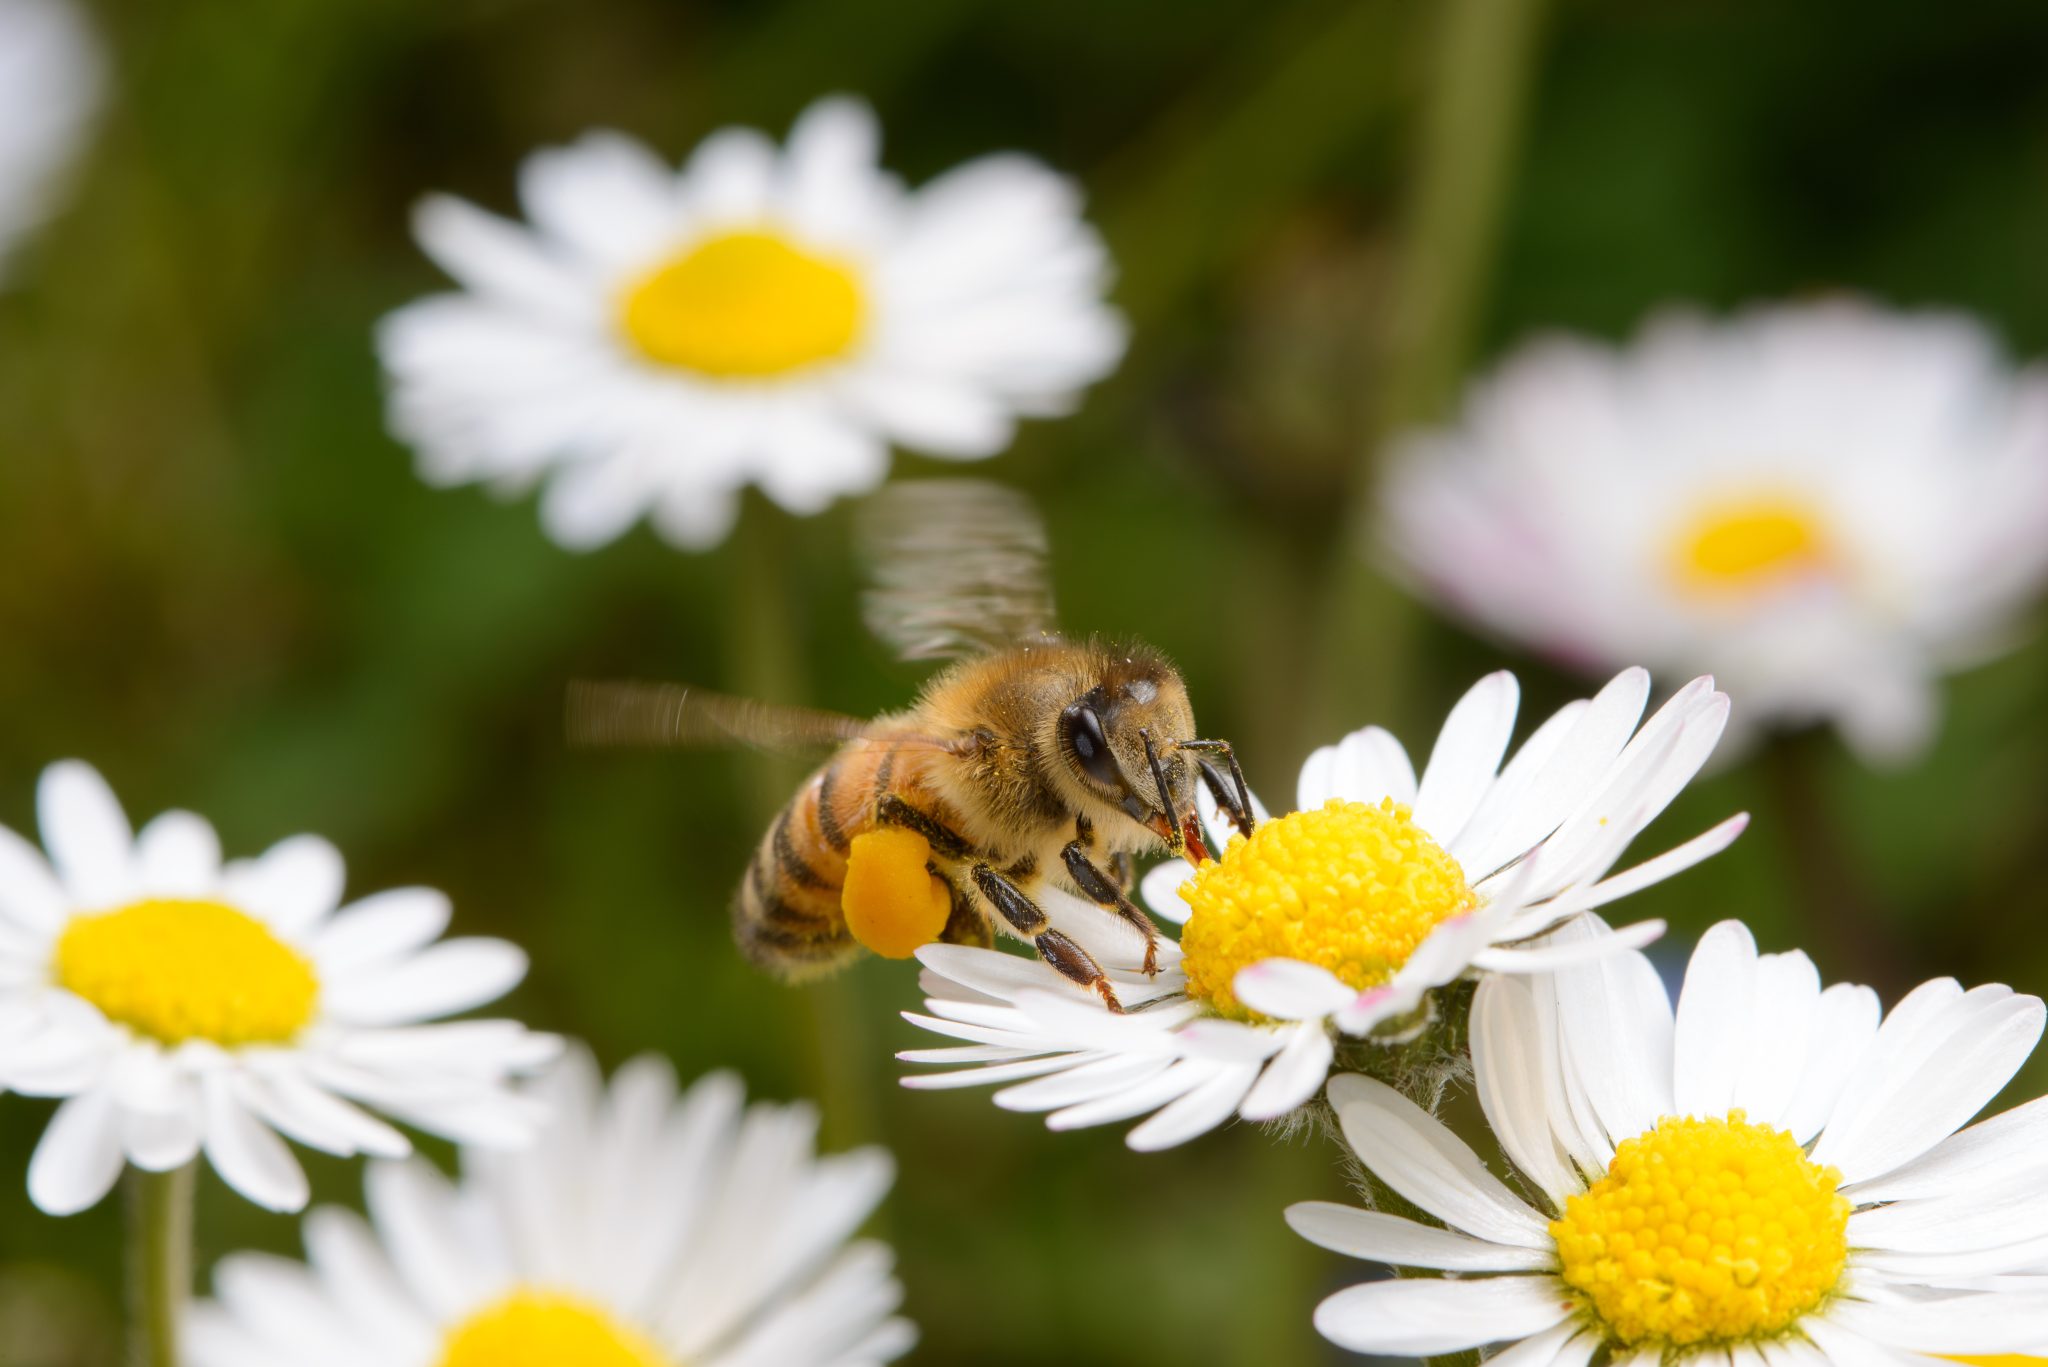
(624,713)
(958,568)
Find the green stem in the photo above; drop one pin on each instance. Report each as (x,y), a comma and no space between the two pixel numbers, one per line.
(841,1042)
(1480,76)
(159,1262)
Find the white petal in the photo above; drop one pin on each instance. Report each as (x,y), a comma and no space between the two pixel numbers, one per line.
(248,1154)
(30,895)
(1198,1112)
(1616,1027)
(178,855)
(1921,1082)
(1515,1072)
(1466,757)
(79,1155)
(1288,989)
(1845,1024)
(1294,1076)
(384,925)
(1426,1316)
(293,885)
(494,257)
(452,976)
(1413,1153)
(87,835)
(1404,1243)
(1582,759)
(1715,1009)
(1366,766)
(2008,1322)
(1160,889)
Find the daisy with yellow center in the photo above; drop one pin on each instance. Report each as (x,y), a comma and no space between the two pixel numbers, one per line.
(1337,925)
(1767,1174)
(651,342)
(643,1229)
(1829,504)
(181,1005)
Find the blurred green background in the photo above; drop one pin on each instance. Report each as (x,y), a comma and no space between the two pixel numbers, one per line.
(224,586)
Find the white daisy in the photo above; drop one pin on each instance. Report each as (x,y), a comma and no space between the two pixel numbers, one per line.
(656,341)
(642,1230)
(1827,505)
(1342,919)
(50,77)
(1767,1177)
(182,1005)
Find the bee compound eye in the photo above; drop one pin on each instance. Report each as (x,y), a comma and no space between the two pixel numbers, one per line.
(1090,746)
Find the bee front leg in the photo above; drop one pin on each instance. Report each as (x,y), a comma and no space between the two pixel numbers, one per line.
(1029,920)
(1101,889)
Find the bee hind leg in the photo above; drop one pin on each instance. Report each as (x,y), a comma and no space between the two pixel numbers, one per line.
(1101,889)
(1028,919)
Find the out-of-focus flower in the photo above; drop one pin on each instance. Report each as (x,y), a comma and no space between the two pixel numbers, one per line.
(655,341)
(1342,920)
(643,1230)
(182,1005)
(1766,1176)
(50,77)
(1825,505)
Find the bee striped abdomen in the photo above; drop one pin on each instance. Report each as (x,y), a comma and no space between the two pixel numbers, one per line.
(787,916)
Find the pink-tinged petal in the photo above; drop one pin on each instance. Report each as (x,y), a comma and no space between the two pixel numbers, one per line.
(1288,989)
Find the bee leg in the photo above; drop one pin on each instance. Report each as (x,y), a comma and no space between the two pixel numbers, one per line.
(967,925)
(1029,920)
(1101,889)
(1235,798)
(1124,869)
(894,811)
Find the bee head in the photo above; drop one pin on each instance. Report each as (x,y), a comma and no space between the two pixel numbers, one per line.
(1122,741)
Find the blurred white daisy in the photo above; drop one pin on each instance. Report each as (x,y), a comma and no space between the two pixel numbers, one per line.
(1341,919)
(50,78)
(1767,1177)
(181,1005)
(642,1230)
(655,341)
(1826,505)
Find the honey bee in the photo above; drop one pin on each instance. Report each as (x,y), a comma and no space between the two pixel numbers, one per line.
(1029,759)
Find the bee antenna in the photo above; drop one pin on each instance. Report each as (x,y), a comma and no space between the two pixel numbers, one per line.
(1159,783)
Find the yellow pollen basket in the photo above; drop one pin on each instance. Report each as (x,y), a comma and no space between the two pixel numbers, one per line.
(1351,888)
(1705,1231)
(185,970)
(1744,545)
(744,306)
(544,1329)
(893,903)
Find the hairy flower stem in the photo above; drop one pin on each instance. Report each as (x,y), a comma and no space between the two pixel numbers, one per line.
(159,1262)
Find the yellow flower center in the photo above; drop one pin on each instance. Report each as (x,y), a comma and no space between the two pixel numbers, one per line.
(177,971)
(532,1328)
(744,305)
(1351,888)
(1705,1231)
(1744,545)
(2000,1360)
